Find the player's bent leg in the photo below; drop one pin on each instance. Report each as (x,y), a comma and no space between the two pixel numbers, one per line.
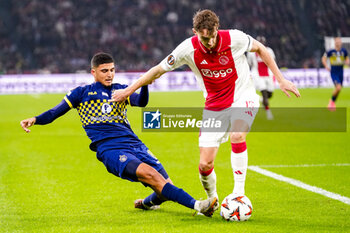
(265,98)
(239,131)
(331,105)
(207,174)
(269,114)
(150,176)
(151,202)
(266,95)
(207,157)
(269,94)
(239,155)
(337,90)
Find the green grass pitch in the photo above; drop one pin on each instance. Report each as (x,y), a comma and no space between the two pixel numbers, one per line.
(51,182)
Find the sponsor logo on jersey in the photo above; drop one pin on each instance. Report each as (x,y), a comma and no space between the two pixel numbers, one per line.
(106,108)
(204,62)
(171,60)
(216,73)
(223,60)
(152,120)
(92,93)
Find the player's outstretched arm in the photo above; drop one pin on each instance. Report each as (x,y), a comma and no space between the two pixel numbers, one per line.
(285,85)
(148,78)
(46,117)
(25,124)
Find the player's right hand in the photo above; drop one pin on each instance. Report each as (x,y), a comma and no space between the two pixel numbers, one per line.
(25,124)
(119,96)
(287,86)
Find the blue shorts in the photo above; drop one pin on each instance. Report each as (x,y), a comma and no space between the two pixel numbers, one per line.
(337,78)
(116,159)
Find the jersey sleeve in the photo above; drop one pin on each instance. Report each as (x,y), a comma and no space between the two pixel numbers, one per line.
(240,42)
(52,114)
(177,57)
(139,99)
(73,97)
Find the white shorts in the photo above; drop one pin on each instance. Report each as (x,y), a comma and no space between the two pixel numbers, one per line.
(264,83)
(245,109)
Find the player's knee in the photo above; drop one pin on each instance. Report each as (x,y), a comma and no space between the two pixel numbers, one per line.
(237,137)
(206,165)
(149,175)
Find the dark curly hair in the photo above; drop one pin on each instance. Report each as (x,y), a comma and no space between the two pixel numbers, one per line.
(205,19)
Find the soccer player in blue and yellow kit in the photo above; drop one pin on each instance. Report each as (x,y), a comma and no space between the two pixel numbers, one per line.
(116,145)
(337,58)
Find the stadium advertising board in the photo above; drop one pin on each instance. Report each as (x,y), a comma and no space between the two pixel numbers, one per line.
(172,81)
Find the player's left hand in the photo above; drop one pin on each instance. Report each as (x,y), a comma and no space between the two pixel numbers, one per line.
(25,124)
(287,86)
(119,96)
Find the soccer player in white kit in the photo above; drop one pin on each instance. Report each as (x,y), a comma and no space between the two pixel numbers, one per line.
(263,76)
(217,59)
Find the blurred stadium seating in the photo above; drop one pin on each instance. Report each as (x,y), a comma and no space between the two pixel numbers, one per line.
(60,36)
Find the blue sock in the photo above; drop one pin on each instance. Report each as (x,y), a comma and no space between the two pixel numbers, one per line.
(173,193)
(152,200)
(334,97)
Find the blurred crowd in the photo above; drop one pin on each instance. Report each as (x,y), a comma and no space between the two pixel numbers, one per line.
(60,36)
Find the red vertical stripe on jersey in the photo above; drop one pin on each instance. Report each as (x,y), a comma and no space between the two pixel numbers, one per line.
(218,71)
(263,70)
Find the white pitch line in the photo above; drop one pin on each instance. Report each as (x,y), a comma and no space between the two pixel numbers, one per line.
(300,184)
(309,165)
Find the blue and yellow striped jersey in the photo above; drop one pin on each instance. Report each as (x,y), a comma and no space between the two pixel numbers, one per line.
(337,59)
(101,119)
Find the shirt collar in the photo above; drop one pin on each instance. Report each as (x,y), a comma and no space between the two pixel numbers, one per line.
(100,85)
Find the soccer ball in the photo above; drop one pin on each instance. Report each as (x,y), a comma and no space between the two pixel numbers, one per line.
(236,208)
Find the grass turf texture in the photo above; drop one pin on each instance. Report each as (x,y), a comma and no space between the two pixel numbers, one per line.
(51,182)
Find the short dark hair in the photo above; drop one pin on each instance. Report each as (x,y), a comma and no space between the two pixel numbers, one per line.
(205,19)
(101,58)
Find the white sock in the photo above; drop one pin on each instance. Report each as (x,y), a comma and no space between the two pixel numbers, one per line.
(209,182)
(239,162)
(196,206)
